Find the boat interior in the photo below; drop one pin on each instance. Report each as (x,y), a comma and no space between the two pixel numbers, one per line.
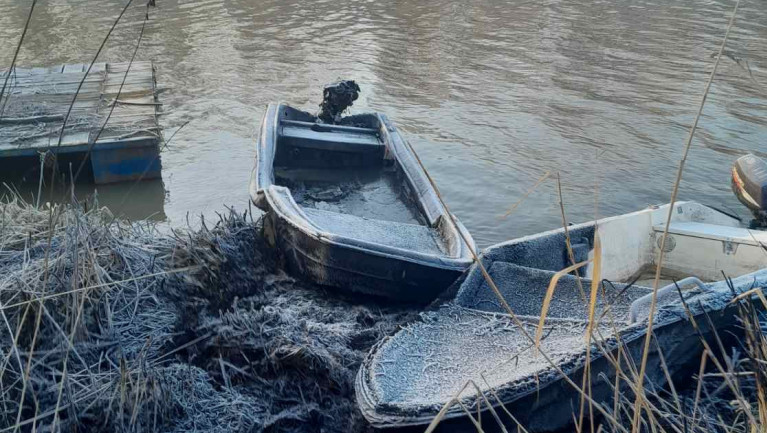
(703,245)
(345,179)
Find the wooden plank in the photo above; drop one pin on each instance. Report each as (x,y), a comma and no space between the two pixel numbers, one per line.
(146,79)
(33,71)
(134,70)
(131,115)
(49,106)
(60,89)
(118,76)
(143,83)
(24,72)
(122,67)
(128,118)
(52,79)
(77,67)
(149,100)
(40,143)
(32,84)
(130,130)
(134,108)
(62,98)
(57,78)
(49,138)
(50,91)
(72,138)
(129,89)
(46,85)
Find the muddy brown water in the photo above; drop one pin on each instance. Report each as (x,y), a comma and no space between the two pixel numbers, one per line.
(492,94)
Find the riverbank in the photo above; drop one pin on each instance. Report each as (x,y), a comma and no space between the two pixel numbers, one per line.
(116,326)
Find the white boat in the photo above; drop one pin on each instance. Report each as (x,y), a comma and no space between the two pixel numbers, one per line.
(407,379)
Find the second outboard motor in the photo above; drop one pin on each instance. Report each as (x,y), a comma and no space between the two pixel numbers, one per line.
(749,183)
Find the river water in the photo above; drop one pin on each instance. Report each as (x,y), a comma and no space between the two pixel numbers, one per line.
(492,94)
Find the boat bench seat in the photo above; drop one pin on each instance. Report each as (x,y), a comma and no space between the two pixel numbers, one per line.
(713,231)
(524,289)
(393,234)
(333,140)
(327,146)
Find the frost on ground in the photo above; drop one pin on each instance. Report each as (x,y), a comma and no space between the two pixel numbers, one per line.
(110,326)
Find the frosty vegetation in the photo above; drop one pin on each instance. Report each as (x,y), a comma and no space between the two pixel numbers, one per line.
(115,326)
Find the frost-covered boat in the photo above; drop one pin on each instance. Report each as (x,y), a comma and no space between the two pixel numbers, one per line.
(349,206)
(408,378)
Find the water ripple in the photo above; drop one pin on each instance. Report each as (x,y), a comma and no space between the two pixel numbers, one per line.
(492,93)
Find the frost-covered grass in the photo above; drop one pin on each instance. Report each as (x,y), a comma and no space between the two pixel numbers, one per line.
(111,326)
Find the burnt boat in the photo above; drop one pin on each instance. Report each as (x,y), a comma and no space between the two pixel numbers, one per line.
(470,351)
(347,205)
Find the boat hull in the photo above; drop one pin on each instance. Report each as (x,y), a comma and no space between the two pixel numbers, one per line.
(406,260)
(553,406)
(325,262)
(472,338)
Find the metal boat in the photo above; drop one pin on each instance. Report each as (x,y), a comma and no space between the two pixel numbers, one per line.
(468,355)
(348,205)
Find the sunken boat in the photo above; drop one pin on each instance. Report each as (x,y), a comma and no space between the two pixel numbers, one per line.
(348,205)
(469,356)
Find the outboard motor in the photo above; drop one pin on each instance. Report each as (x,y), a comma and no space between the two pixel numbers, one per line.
(336,98)
(749,183)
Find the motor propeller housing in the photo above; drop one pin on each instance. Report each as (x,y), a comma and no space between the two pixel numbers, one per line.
(749,183)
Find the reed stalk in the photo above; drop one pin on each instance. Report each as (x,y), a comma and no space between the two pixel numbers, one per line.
(92,143)
(527,194)
(664,237)
(77,93)
(515,319)
(15,56)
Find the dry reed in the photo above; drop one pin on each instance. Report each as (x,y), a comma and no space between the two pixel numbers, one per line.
(183,331)
(664,237)
(10,71)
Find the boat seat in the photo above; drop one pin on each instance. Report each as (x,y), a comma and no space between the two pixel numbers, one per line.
(393,234)
(339,140)
(524,289)
(718,232)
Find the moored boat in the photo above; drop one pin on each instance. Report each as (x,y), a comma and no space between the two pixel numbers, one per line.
(470,351)
(349,206)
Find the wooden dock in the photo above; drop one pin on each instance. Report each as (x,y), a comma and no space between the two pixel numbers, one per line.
(36,101)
